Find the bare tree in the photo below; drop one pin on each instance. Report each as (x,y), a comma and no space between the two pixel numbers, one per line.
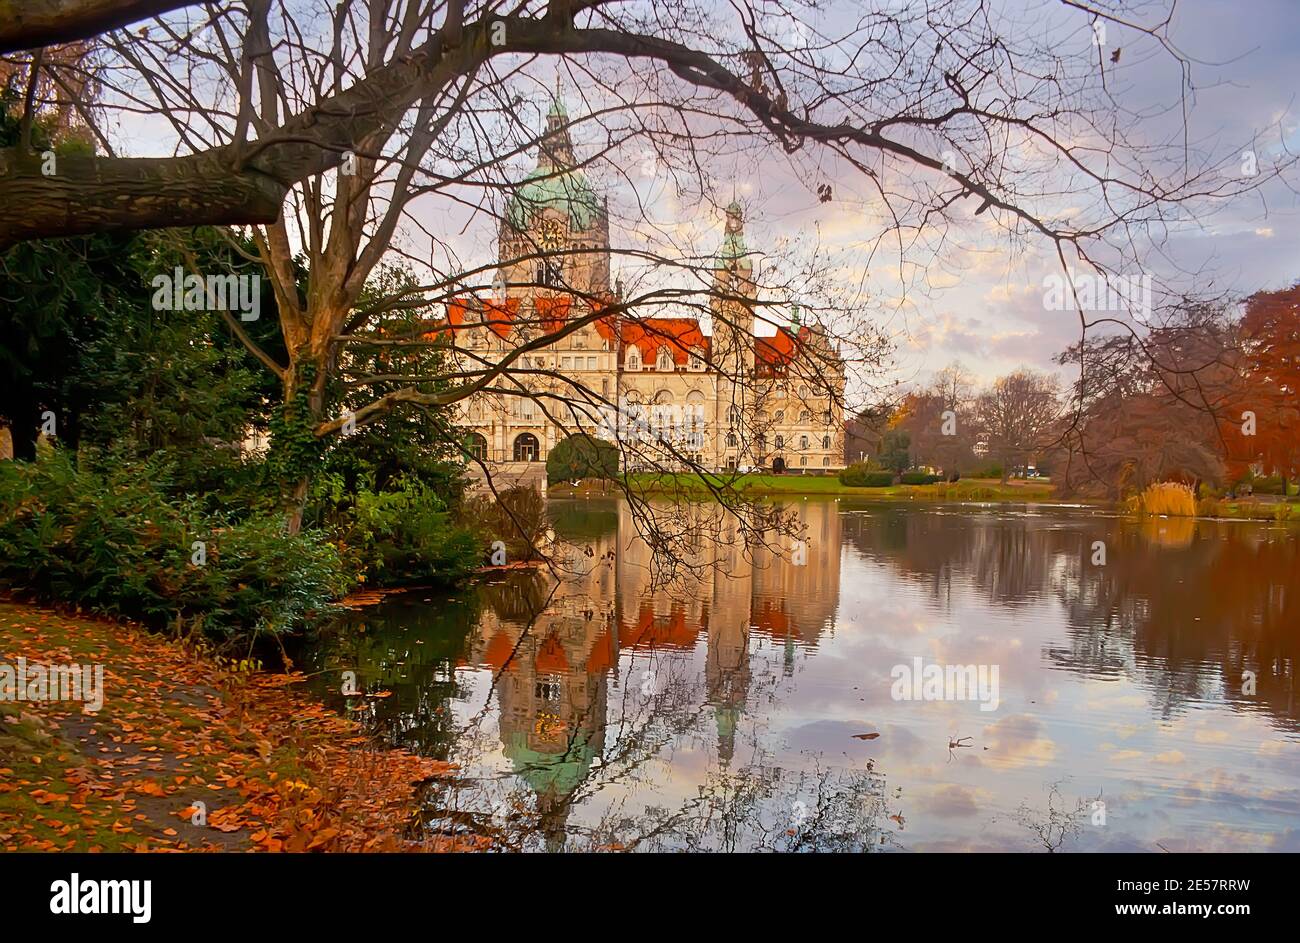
(345,135)
(1020,413)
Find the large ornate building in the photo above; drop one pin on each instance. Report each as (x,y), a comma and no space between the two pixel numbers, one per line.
(669,391)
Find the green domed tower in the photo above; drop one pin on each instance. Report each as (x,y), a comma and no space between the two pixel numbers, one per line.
(555,210)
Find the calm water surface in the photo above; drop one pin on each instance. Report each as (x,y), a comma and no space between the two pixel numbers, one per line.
(723,711)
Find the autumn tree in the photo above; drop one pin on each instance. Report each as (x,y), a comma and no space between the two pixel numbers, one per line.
(941,421)
(1148,407)
(1019,412)
(1263,428)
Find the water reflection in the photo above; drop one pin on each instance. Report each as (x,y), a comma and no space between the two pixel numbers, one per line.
(606,710)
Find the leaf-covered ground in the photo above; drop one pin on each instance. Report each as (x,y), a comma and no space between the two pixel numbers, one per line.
(273,770)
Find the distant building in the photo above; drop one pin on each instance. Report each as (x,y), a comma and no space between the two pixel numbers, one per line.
(723,400)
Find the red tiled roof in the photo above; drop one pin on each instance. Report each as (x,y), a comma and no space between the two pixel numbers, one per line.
(778,350)
(679,335)
(551,312)
(498,315)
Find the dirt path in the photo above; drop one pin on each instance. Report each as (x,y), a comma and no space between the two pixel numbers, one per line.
(185,754)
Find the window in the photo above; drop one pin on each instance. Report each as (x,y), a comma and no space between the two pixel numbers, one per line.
(803,442)
(731,440)
(634,359)
(476,446)
(696,361)
(591,363)
(780,442)
(826,442)
(604,386)
(826,462)
(733,415)
(665,360)
(780,415)
(804,415)
(566,363)
(526,448)
(803,459)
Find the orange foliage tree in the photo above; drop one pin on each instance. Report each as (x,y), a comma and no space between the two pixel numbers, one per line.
(1270,388)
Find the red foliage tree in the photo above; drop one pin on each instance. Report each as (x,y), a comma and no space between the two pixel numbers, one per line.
(1270,387)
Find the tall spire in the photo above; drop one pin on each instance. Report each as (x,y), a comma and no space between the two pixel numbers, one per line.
(733,250)
(556,152)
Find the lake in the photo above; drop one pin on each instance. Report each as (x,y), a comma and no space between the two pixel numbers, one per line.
(910,677)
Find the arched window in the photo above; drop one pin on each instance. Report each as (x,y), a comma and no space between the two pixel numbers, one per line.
(780,415)
(526,448)
(634,359)
(803,442)
(733,415)
(804,415)
(665,360)
(695,410)
(731,440)
(476,446)
(780,442)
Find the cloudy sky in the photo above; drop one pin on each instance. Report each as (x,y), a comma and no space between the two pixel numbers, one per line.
(977,296)
(967,292)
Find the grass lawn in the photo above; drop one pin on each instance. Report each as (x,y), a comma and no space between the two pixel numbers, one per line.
(976,489)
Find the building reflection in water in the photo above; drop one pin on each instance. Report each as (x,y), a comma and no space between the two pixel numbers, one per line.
(557,648)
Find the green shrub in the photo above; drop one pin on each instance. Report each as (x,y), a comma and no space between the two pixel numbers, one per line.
(991,470)
(919,478)
(581,456)
(860,476)
(1271,484)
(405,535)
(114,542)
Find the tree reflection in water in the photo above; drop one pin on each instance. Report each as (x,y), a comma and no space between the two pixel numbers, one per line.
(605,704)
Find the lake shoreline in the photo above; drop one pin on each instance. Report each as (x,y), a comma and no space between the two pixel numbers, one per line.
(972,492)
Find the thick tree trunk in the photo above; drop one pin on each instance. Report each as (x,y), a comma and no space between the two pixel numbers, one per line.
(35,23)
(297,505)
(93,194)
(319,361)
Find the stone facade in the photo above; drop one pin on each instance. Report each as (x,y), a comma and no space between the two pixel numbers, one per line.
(669,392)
